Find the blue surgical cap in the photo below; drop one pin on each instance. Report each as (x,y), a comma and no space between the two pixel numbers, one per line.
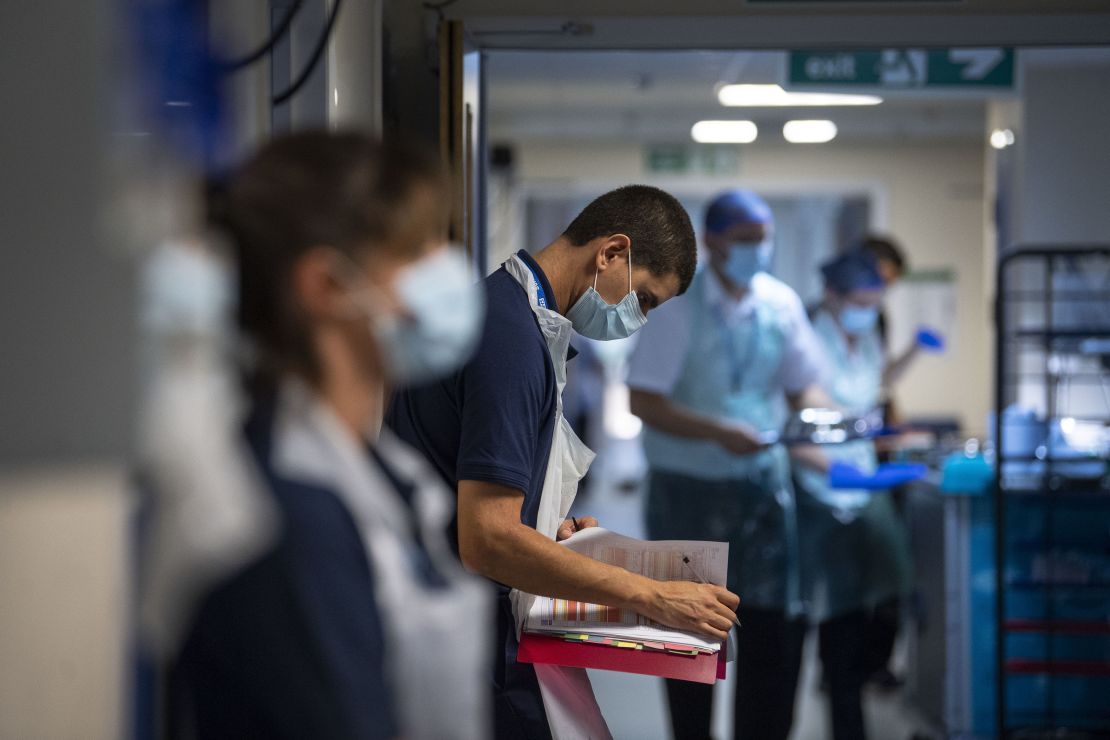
(734,207)
(855,270)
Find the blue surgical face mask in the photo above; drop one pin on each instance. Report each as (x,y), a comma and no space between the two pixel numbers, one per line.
(592,317)
(745,259)
(438,323)
(856,320)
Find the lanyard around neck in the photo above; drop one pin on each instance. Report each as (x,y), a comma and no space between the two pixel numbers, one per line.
(541,294)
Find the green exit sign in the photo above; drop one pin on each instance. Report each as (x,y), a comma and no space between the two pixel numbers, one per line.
(904,68)
(705,159)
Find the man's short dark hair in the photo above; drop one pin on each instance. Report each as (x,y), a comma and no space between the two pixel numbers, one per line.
(885,248)
(656,223)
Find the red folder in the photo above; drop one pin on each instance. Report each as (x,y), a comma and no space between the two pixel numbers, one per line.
(702,668)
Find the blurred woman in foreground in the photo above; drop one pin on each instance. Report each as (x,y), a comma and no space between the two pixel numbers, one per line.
(358,622)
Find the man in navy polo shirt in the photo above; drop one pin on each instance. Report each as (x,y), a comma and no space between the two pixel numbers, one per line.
(495,432)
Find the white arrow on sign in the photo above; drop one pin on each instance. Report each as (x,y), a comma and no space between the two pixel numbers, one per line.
(978,63)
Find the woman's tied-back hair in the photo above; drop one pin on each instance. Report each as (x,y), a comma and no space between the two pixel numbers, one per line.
(348,191)
(886,248)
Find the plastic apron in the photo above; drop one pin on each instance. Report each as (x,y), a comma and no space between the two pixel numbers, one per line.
(850,550)
(568,698)
(852,377)
(747,500)
(888,562)
(725,347)
(437,638)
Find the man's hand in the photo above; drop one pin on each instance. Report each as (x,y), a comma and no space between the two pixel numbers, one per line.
(494,543)
(569,526)
(739,439)
(703,608)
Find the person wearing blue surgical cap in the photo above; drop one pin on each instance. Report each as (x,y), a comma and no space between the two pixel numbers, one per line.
(714,369)
(854,554)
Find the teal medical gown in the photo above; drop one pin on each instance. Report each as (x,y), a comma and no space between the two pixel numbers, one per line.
(854,550)
(731,360)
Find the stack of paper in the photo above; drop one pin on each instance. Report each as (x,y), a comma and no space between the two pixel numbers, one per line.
(667,560)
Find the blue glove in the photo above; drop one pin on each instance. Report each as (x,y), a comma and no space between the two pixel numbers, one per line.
(929,340)
(887,475)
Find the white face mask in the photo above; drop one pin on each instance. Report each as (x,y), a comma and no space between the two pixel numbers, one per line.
(592,317)
(439,323)
(186,289)
(856,320)
(745,259)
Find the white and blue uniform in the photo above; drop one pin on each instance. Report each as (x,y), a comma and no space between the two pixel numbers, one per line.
(734,360)
(357,613)
(849,559)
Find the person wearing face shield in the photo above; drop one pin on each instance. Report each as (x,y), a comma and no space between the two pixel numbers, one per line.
(714,370)
(841,496)
(358,612)
(496,432)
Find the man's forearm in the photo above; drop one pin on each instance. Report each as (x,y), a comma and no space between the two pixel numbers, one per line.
(523,558)
(897,367)
(494,543)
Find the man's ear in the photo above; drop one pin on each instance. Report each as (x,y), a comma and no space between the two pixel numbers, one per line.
(613,247)
(316,286)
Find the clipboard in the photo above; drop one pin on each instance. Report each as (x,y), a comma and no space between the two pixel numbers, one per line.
(703,668)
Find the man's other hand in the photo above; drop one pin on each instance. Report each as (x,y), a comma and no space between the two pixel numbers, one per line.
(568,527)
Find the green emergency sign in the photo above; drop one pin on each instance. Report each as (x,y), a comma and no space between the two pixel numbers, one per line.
(904,68)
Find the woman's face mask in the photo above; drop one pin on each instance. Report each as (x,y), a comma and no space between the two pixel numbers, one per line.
(438,321)
(856,320)
(186,289)
(745,259)
(592,317)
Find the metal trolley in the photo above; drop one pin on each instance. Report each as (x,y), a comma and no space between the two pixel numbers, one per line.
(1052,493)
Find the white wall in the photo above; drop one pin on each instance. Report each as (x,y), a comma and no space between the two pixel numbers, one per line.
(66,377)
(1064,185)
(64,603)
(354,67)
(929,196)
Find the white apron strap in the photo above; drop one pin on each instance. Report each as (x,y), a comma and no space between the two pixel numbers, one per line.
(568,697)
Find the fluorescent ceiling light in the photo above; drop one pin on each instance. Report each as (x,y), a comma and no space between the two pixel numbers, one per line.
(724,132)
(773,96)
(1002,138)
(809,132)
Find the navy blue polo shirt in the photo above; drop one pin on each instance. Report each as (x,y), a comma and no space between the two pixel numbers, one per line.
(292,645)
(494,419)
